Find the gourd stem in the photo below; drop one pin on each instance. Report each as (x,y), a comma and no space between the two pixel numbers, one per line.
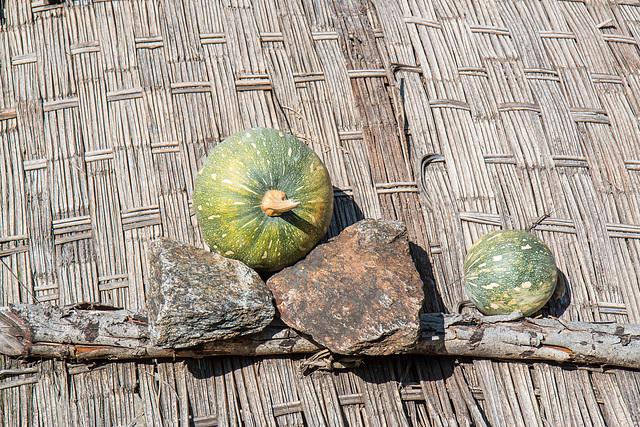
(275,203)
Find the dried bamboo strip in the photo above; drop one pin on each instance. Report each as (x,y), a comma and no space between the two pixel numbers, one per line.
(581,389)
(150,392)
(347,119)
(351,398)
(38,210)
(380,399)
(564,395)
(168,393)
(16,268)
(19,382)
(312,405)
(494,393)
(52,387)
(462,415)
(549,399)
(16,396)
(224,408)
(201,390)
(468,397)
(508,379)
(332,403)
(526,397)
(286,369)
(256,406)
(437,400)
(235,409)
(616,412)
(630,390)
(578,409)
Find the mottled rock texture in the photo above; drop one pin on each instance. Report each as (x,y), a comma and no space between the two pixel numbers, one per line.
(197,296)
(360,293)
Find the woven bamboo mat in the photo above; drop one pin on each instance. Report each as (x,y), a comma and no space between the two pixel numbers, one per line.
(457,117)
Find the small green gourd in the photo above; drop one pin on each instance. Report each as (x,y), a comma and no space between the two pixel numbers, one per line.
(507,270)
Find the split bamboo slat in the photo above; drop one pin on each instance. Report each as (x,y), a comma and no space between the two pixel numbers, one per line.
(456,117)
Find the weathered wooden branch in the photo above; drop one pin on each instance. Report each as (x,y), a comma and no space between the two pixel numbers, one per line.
(516,337)
(85,332)
(88,332)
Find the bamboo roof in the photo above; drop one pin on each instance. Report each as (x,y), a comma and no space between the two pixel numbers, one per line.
(456,117)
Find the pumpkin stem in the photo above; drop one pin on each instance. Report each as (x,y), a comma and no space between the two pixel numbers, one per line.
(275,203)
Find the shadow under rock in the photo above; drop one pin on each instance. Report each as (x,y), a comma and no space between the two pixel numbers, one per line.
(346,212)
(433,302)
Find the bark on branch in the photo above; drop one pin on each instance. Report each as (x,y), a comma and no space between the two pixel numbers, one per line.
(88,332)
(516,337)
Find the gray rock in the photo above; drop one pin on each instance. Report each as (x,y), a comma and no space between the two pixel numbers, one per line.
(360,293)
(197,296)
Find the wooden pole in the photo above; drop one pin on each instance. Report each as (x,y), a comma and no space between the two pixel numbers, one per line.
(520,338)
(88,332)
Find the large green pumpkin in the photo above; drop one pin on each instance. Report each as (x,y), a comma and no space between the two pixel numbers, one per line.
(264,198)
(508,270)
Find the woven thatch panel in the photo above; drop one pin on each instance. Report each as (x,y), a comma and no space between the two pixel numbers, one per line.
(525,111)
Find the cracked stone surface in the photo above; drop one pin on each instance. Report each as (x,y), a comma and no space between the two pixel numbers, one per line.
(198,296)
(360,293)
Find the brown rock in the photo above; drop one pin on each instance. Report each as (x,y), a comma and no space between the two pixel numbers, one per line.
(359,293)
(197,296)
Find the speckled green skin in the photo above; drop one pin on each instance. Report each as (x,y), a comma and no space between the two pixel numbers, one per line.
(230,186)
(508,270)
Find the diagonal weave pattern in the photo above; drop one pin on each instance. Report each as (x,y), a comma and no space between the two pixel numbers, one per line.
(457,117)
